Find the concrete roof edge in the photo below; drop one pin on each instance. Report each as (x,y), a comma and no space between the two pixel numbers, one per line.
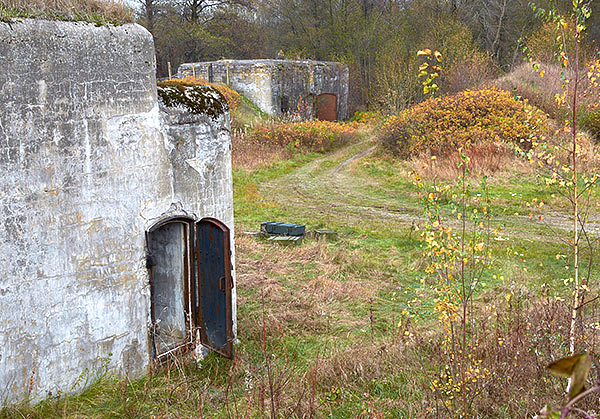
(264,61)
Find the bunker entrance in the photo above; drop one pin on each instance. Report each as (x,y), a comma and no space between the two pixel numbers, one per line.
(170,279)
(327,107)
(191,286)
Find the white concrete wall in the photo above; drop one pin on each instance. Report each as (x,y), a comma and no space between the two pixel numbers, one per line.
(265,82)
(86,168)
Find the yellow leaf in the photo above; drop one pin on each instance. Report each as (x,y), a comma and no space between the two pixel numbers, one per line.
(542,73)
(576,368)
(426,51)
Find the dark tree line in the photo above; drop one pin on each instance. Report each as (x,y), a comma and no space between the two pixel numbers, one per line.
(378,39)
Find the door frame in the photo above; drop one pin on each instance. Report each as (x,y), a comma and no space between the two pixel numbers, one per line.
(194,324)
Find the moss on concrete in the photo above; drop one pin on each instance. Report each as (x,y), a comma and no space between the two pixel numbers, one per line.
(195,99)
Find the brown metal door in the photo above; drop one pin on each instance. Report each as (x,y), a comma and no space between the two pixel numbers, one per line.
(327,107)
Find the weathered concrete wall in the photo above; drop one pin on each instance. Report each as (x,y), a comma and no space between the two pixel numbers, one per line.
(199,149)
(85,170)
(268,82)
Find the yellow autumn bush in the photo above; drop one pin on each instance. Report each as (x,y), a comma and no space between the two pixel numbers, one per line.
(443,124)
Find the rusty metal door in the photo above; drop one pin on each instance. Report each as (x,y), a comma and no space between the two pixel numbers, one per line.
(327,107)
(213,257)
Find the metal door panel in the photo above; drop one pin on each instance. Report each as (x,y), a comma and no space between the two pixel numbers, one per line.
(213,258)
(327,107)
(168,246)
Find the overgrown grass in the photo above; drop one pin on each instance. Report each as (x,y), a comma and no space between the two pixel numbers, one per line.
(348,328)
(95,11)
(541,92)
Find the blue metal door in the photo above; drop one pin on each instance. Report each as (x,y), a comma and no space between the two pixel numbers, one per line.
(213,257)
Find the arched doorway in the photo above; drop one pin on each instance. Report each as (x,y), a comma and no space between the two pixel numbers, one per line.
(327,107)
(191,286)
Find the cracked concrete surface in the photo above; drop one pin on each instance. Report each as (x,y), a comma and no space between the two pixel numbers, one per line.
(89,162)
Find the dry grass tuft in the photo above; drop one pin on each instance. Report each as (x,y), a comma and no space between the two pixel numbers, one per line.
(252,156)
(98,11)
(485,159)
(310,305)
(541,92)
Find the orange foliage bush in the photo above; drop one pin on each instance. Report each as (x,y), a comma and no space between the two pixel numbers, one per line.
(231,96)
(307,135)
(441,125)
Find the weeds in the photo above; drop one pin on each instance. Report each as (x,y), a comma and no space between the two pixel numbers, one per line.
(265,144)
(96,11)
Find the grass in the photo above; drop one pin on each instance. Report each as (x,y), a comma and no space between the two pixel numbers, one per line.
(95,11)
(540,92)
(348,328)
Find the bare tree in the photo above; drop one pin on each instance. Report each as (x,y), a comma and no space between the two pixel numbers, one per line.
(193,10)
(149,12)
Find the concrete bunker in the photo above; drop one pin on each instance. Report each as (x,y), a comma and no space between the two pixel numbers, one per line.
(310,89)
(116,210)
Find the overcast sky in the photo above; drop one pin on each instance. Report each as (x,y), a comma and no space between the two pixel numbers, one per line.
(132,3)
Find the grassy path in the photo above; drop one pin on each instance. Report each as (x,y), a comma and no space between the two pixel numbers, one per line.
(347,329)
(329,188)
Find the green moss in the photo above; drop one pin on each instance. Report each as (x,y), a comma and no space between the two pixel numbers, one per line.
(196,99)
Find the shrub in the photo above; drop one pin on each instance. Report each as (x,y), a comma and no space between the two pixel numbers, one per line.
(231,96)
(441,125)
(265,144)
(544,44)
(308,135)
(368,118)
